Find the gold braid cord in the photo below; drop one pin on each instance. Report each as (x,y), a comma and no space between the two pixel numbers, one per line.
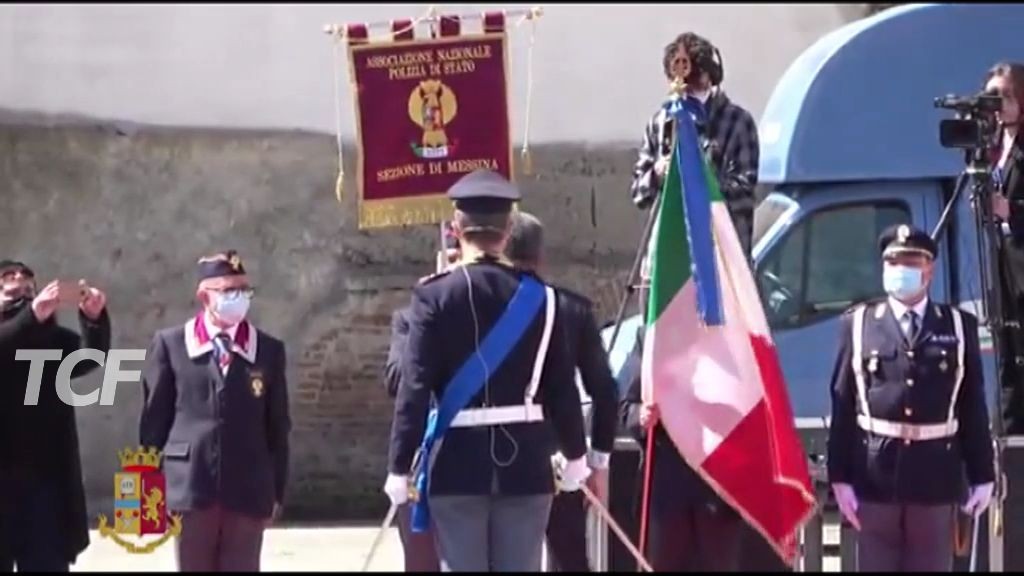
(173,530)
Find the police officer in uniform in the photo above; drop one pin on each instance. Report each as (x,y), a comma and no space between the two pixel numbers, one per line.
(484,343)
(909,418)
(216,405)
(567,538)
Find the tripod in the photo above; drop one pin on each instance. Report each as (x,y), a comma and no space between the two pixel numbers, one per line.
(990,245)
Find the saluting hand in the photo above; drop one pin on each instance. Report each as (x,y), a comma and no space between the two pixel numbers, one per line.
(93,301)
(47,301)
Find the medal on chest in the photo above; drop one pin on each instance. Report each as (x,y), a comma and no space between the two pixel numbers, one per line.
(256,383)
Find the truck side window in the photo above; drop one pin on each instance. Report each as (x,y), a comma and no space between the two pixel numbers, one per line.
(825,263)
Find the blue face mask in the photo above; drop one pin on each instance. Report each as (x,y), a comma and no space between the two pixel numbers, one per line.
(232,307)
(902,282)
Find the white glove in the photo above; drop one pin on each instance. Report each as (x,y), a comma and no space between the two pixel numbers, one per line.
(397,489)
(979,500)
(570,475)
(847,501)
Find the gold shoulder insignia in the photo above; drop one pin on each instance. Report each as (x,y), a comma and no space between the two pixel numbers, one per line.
(880,311)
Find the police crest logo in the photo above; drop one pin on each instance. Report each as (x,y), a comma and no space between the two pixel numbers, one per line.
(432,106)
(140,503)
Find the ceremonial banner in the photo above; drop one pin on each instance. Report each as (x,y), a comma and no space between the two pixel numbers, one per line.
(427,113)
(708,360)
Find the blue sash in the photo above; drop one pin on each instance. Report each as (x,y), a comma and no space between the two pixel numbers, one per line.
(470,379)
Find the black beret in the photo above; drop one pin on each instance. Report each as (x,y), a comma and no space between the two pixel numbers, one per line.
(221,264)
(484,192)
(905,238)
(13,265)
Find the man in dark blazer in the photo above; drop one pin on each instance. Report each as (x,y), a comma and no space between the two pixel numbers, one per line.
(216,405)
(567,538)
(418,547)
(43,523)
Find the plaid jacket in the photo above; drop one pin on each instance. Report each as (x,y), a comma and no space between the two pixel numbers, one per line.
(733,151)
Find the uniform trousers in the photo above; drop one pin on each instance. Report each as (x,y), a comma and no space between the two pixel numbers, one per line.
(567,533)
(698,537)
(905,538)
(490,533)
(30,533)
(217,540)
(690,528)
(419,549)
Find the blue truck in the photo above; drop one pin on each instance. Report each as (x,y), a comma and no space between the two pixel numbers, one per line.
(850,145)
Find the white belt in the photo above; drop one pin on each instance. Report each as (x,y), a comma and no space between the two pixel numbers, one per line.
(498,415)
(905,431)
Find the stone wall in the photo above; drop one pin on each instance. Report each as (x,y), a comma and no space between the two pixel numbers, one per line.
(131,208)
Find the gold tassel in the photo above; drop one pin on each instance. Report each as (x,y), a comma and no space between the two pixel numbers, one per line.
(527,162)
(526,156)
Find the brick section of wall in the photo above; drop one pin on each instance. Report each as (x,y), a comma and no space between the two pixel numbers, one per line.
(342,413)
(132,212)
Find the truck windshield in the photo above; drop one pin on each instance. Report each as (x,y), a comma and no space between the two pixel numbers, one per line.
(767,212)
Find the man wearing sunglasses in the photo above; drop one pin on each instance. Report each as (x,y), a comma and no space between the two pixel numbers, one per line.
(216,405)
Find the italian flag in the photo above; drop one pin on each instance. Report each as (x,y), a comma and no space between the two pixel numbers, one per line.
(709,362)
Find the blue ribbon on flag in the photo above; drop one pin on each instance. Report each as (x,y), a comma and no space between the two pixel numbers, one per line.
(691,163)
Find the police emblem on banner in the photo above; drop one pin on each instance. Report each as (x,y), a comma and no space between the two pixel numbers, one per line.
(140,502)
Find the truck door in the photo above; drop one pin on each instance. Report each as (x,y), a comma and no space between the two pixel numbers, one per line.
(821,258)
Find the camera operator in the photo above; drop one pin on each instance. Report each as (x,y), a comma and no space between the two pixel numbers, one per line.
(1006,79)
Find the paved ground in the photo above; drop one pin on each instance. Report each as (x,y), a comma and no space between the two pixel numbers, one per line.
(315,549)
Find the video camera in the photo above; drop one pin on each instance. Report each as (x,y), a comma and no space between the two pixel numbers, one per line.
(975,126)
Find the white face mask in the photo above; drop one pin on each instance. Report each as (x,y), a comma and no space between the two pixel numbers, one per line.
(230,309)
(902,282)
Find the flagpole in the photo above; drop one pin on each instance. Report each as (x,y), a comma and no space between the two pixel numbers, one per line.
(645,504)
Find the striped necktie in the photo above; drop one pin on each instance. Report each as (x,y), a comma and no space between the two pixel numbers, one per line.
(222,350)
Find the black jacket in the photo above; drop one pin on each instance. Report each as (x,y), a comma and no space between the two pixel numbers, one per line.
(587,351)
(442,336)
(42,439)
(913,383)
(224,438)
(399,337)
(1011,268)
